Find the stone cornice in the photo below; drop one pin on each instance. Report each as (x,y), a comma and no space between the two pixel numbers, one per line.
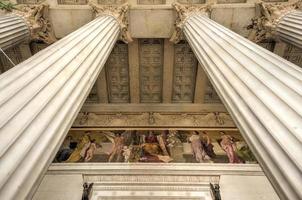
(183,13)
(119,12)
(269,15)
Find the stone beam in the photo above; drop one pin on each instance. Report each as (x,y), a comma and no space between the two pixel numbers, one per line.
(41,97)
(262,92)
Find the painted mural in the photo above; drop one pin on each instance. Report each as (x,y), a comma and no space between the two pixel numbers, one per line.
(154,146)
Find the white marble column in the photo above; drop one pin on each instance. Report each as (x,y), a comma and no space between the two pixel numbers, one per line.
(262,92)
(40,98)
(13,30)
(289,28)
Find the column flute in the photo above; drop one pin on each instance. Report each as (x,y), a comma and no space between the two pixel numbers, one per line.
(262,92)
(40,98)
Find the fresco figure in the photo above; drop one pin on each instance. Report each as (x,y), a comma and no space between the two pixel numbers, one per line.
(228,144)
(152,151)
(117,149)
(207,144)
(127,153)
(65,150)
(90,151)
(80,151)
(197,148)
(162,141)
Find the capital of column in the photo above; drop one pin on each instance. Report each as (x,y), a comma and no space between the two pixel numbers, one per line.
(183,13)
(269,15)
(119,12)
(37,18)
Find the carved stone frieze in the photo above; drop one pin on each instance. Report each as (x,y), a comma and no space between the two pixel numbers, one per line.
(29,1)
(151,179)
(93,96)
(231,1)
(37,17)
(185,66)
(111,2)
(293,54)
(211,95)
(216,119)
(151,53)
(183,12)
(117,74)
(119,12)
(72,2)
(263,26)
(151,2)
(35,47)
(191,1)
(14,54)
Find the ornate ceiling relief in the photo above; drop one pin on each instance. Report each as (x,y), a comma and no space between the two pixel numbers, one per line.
(93,95)
(72,2)
(191,1)
(150,119)
(151,2)
(294,55)
(185,66)
(35,47)
(111,2)
(151,70)
(263,26)
(269,45)
(29,1)
(14,54)
(211,95)
(117,74)
(231,1)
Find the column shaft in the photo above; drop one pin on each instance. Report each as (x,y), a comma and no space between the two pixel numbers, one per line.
(40,98)
(262,92)
(13,30)
(289,28)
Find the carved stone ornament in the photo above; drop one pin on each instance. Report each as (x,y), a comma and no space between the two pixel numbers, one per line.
(119,12)
(183,12)
(37,17)
(269,14)
(154,119)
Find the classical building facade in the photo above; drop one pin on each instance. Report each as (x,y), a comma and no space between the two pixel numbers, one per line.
(150,99)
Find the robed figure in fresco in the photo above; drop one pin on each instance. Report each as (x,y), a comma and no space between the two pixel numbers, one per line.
(197,148)
(228,144)
(80,152)
(207,144)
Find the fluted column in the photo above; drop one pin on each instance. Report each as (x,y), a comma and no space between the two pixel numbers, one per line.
(289,28)
(277,22)
(262,92)
(40,98)
(13,30)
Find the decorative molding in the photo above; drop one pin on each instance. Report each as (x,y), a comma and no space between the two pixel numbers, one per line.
(37,18)
(72,2)
(263,27)
(119,12)
(210,95)
(183,13)
(151,2)
(153,120)
(29,1)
